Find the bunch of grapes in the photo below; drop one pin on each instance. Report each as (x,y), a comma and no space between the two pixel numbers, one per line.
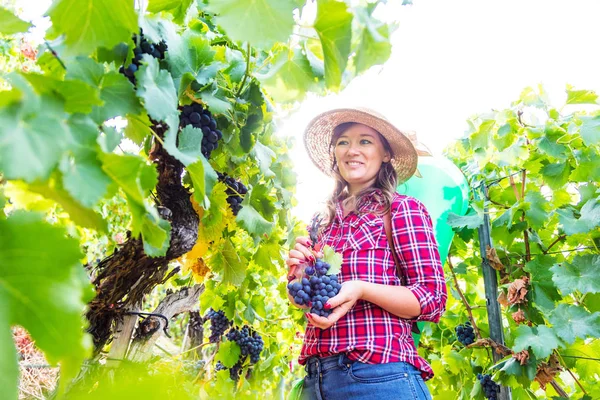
(143,46)
(192,368)
(199,117)
(251,344)
(235,191)
(490,388)
(220,366)
(316,290)
(218,324)
(465,333)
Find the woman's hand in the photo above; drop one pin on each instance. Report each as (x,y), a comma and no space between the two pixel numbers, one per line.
(300,254)
(349,294)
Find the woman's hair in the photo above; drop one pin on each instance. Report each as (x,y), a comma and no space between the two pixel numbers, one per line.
(386,181)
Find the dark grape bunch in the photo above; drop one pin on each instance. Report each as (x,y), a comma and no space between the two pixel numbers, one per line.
(235,191)
(199,117)
(465,333)
(251,344)
(490,388)
(316,290)
(218,324)
(142,47)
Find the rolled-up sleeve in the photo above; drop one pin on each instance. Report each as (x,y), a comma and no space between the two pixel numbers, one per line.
(420,263)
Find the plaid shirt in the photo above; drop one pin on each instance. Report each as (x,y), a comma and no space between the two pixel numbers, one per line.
(368,333)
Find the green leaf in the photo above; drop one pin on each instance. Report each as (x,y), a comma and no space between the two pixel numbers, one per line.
(178,8)
(79,96)
(333,259)
(119,98)
(581,274)
(544,291)
(226,261)
(581,96)
(155,86)
(260,22)
(480,139)
(88,24)
(264,156)
(590,130)
(556,175)
(541,339)
(228,354)
(471,221)
(536,213)
(334,27)
(215,103)
(43,288)
(204,178)
(374,47)
(589,218)
(87,70)
(33,137)
(84,178)
(289,77)
(190,53)
(138,128)
(10,24)
(572,322)
(254,223)
(132,174)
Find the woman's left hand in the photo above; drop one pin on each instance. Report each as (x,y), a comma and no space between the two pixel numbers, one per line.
(349,294)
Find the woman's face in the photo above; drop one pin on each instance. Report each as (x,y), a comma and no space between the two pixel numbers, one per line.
(359,153)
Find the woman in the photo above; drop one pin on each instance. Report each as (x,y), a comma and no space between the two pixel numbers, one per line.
(364,348)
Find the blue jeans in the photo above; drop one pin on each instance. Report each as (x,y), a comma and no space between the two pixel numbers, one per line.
(338,378)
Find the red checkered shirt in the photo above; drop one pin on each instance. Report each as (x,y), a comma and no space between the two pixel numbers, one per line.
(368,333)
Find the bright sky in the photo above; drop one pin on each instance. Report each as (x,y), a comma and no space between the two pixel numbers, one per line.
(450,60)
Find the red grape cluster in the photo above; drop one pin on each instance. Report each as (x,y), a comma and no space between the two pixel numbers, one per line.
(465,333)
(316,288)
(199,117)
(143,46)
(490,388)
(218,324)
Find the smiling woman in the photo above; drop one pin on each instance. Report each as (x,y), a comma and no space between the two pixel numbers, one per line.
(364,348)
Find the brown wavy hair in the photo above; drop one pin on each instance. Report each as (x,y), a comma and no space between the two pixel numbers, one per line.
(386,181)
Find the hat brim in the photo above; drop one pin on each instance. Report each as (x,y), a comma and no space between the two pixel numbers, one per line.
(318,134)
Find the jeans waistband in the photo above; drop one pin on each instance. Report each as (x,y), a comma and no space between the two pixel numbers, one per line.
(316,365)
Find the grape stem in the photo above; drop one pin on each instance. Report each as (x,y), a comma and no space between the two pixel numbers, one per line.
(463,298)
(570,372)
(246,72)
(55,54)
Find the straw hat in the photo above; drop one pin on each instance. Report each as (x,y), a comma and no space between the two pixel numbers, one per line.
(319,132)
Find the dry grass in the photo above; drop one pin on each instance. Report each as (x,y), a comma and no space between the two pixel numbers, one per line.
(37,378)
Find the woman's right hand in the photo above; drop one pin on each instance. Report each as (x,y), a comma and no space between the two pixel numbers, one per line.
(299,255)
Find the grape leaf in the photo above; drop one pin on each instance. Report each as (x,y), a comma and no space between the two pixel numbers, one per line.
(52,189)
(225,260)
(536,212)
(87,70)
(155,231)
(9,23)
(43,288)
(556,175)
(374,47)
(588,220)
(138,128)
(470,221)
(333,259)
(581,274)
(84,178)
(541,339)
(88,24)
(590,130)
(132,174)
(203,177)
(228,354)
(254,223)
(334,27)
(544,291)
(33,137)
(177,8)
(119,98)
(237,17)
(581,96)
(264,156)
(189,53)
(289,77)
(571,322)
(155,86)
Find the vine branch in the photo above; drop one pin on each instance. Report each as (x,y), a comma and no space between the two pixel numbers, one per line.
(245,73)
(463,298)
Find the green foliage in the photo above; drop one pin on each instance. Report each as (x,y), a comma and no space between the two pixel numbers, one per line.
(64,152)
(542,199)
